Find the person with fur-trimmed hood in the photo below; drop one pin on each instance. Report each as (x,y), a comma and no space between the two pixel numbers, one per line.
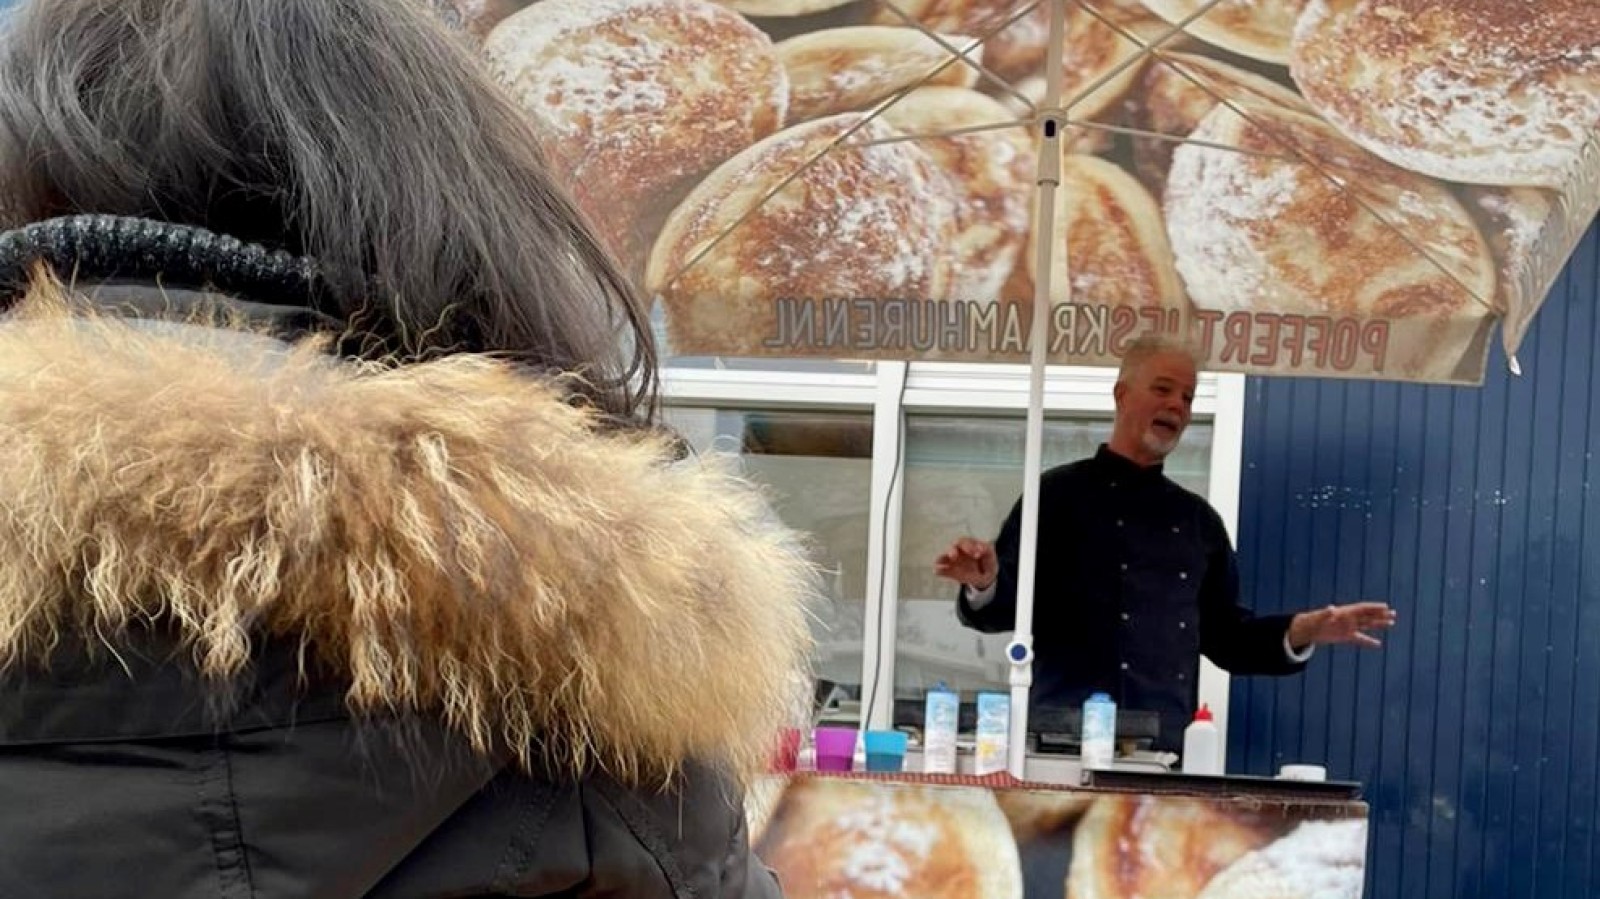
(340,553)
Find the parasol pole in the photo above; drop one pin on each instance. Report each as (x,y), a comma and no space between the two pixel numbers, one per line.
(1052,122)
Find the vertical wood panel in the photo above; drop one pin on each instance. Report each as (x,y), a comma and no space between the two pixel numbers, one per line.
(1477,729)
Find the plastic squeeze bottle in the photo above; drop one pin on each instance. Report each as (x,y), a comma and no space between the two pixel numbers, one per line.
(1202,744)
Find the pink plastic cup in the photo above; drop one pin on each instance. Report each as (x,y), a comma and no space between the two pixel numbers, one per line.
(836,748)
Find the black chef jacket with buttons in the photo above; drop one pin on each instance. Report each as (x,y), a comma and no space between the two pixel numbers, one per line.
(1135,579)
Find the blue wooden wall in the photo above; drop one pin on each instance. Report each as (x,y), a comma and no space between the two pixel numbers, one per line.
(1476,728)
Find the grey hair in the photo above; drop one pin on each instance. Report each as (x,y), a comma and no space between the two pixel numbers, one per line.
(362,133)
(1152,344)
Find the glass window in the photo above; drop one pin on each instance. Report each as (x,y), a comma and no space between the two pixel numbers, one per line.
(962,476)
(817,467)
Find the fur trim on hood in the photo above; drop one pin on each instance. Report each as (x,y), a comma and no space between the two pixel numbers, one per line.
(451,537)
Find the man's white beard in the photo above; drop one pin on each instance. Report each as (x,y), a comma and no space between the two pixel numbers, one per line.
(1157,445)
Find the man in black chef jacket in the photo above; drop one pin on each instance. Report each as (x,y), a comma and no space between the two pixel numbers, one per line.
(1136,576)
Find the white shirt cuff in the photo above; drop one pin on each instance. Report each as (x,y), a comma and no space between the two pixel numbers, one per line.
(977,599)
(1297,657)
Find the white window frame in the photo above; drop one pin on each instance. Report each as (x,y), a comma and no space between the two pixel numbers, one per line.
(891,391)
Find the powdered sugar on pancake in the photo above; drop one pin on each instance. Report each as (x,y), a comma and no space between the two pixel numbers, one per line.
(854,222)
(854,840)
(991,172)
(884,846)
(844,223)
(1332,230)
(808,214)
(1480,91)
(1542,127)
(866,218)
(1214,201)
(1323,857)
(1317,860)
(612,79)
(583,65)
(638,96)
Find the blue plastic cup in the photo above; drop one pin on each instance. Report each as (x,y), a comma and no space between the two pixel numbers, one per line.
(886,750)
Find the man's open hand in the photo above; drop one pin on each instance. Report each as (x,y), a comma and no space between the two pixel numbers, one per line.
(1341,624)
(969,561)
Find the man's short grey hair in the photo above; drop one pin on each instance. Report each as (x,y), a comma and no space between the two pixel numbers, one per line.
(1150,345)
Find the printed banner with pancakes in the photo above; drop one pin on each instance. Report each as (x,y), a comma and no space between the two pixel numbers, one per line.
(871,837)
(1327,188)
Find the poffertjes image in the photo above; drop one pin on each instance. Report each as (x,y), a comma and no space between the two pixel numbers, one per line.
(1259,29)
(1036,814)
(835,837)
(1010,51)
(1104,39)
(1402,172)
(828,209)
(1111,248)
(638,97)
(1317,860)
(992,171)
(1137,847)
(1305,222)
(1177,91)
(847,69)
(1477,91)
(1025,98)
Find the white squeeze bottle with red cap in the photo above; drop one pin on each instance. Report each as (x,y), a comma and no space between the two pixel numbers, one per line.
(1201,745)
